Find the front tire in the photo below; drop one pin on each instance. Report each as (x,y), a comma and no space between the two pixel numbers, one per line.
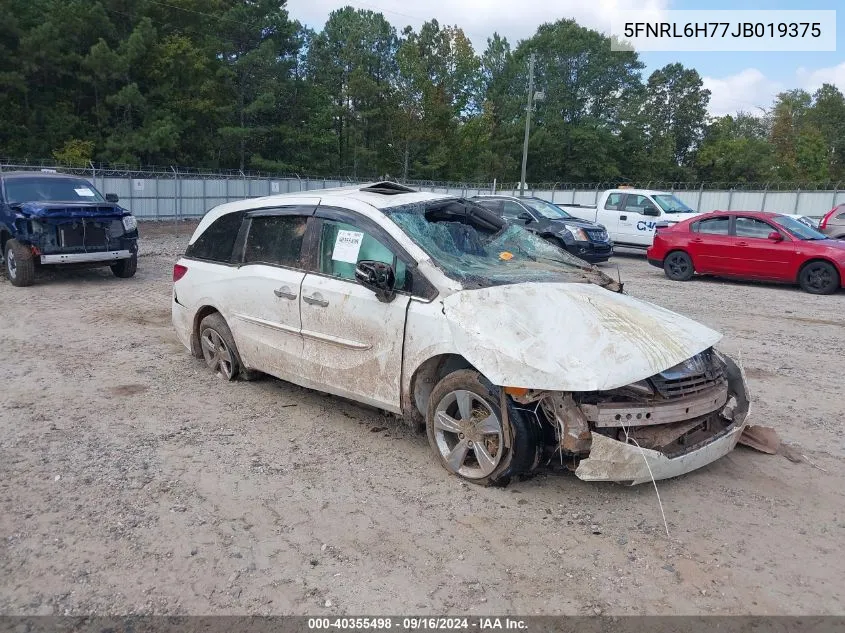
(465,429)
(125,268)
(20,264)
(678,266)
(218,348)
(819,278)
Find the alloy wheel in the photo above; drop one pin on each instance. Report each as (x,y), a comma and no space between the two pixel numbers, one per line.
(216,353)
(468,434)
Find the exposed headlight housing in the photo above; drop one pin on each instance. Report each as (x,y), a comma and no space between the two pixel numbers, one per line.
(577,234)
(129,223)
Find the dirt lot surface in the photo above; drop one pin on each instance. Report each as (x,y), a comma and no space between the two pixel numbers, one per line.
(134,481)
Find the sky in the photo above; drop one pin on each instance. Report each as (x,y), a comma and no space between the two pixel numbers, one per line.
(745,81)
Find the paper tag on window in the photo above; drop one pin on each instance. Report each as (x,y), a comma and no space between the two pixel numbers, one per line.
(346,246)
(84,191)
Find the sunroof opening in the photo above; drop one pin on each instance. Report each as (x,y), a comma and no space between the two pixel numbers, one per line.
(387,188)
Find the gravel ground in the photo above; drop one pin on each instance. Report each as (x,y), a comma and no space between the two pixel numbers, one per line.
(134,481)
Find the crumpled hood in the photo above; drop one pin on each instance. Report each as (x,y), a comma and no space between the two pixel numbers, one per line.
(569,337)
(69,209)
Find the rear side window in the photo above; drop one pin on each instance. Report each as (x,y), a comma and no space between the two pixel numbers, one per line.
(496,206)
(512,210)
(614,201)
(275,240)
(218,240)
(713,226)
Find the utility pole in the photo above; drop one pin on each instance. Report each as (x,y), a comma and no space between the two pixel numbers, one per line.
(527,123)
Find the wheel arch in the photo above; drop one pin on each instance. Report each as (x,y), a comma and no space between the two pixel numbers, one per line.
(203,312)
(677,249)
(424,378)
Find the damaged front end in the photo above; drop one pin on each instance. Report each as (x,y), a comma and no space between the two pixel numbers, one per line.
(667,425)
(61,233)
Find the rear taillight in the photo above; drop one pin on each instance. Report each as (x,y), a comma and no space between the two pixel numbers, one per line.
(178,272)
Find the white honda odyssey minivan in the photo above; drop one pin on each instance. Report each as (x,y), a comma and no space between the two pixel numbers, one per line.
(508,350)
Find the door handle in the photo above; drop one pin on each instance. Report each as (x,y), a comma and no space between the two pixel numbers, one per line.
(284,293)
(742,243)
(315,300)
(623,217)
(698,239)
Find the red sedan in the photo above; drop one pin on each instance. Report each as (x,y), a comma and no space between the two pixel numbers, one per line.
(750,245)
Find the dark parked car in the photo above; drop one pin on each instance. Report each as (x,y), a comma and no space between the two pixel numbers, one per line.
(584,239)
(59,219)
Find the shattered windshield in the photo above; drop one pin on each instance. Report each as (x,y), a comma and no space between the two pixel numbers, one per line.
(474,246)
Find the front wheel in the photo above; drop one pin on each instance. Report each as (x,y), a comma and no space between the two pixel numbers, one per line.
(467,433)
(819,278)
(125,268)
(678,266)
(20,264)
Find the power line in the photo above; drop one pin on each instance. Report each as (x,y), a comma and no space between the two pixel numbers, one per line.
(208,15)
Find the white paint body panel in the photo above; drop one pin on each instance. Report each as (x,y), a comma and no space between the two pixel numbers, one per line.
(352,347)
(265,326)
(569,337)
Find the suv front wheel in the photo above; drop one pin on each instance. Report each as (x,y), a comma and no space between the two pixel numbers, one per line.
(20,263)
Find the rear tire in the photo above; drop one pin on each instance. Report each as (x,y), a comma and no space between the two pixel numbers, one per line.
(678,266)
(125,268)
(218,348)
(20,264)
(466,432)
(819,278)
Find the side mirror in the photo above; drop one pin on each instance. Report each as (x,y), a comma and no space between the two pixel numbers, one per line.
(525,216)
(112,197)
(775,236)
(378,277)
(652,211)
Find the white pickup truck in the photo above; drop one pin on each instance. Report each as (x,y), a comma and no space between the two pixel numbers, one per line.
(630,215)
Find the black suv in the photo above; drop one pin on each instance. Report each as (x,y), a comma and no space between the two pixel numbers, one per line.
(51,218)
(584,239)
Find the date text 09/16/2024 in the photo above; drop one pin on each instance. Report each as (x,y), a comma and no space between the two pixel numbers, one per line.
(423,623)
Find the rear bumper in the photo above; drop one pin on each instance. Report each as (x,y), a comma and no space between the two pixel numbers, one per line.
(657,263)
(81,258)
(182,322)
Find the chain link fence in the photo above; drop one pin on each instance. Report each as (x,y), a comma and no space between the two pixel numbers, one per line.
(177,193)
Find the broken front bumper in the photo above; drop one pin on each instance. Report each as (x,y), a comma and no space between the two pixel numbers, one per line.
(611,460)
(80,258)
(627,463)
